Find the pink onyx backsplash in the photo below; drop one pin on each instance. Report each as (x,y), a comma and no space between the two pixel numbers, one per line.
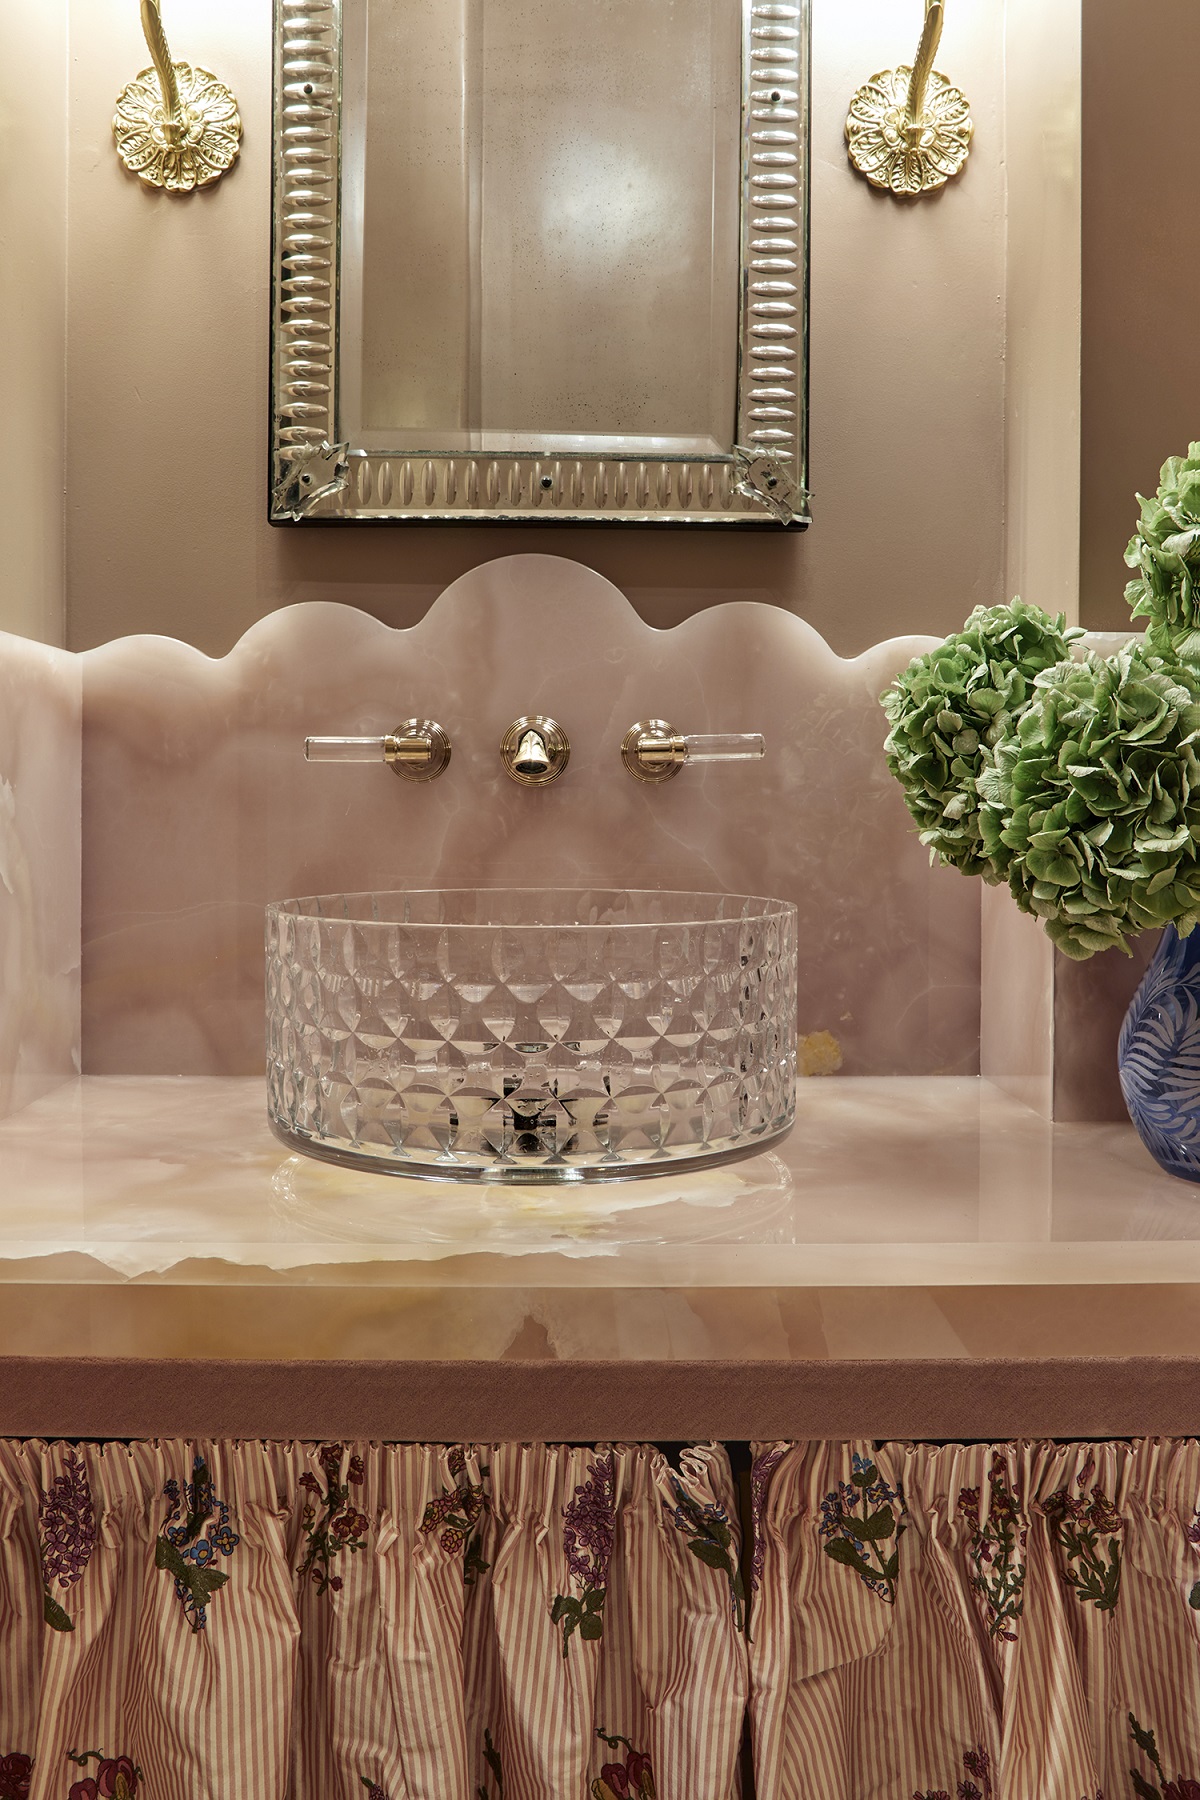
(199,808)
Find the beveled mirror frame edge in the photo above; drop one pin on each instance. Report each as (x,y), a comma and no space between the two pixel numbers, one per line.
(763,481)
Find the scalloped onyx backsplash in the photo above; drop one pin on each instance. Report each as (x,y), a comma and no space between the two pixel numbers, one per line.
(197,808)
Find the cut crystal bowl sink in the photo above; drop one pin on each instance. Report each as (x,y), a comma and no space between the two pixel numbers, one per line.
(507,1034)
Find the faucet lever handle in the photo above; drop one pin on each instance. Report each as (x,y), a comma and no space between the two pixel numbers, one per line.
(652,750)
(418,750)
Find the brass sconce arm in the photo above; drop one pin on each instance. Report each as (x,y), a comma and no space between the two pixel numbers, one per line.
(909,129)
(176,126)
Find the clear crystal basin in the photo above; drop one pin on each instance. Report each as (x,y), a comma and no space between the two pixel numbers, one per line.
(509,1034)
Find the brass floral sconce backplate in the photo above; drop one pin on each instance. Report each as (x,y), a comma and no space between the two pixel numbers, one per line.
(909,129)
(176,126)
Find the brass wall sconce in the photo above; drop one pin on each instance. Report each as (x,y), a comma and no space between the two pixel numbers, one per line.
(176,126)
(909,130)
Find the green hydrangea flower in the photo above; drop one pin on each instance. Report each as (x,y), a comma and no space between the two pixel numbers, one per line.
(1095,800)
(1166,550)
(948,712)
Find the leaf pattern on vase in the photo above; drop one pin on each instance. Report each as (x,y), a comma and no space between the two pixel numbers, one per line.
(997,1550)
(1078,1524)
(66,1537)
(329,1522)
(710,1540)
(197,1531)
(859,1519)
(630,1779)
(1184,1787)
(491,1757)
(16,1775)
(976,1783)
(1158,1055)
(456,1514)
(589,1522)
(116,1777)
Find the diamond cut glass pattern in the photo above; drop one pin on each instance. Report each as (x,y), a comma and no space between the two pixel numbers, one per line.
(511,1034)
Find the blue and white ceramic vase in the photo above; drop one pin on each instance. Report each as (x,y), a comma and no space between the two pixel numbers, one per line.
(1158,1055)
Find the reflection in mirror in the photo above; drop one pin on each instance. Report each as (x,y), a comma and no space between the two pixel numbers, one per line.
(534,258)
(541,258)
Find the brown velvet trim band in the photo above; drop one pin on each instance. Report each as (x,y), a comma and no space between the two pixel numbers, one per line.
(1084,1397)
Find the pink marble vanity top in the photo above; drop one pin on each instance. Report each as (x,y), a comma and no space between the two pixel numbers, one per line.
(919,1217)
(923,1256)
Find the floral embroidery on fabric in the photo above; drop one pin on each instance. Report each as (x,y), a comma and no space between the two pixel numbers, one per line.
(588,1528)
(976,1784)
(997,1546)
(710,1540)
(374,1791)
(16,1773)
(67,1537)
(330,1523)
(632,1779)
(457,1511)
(1078,1522)
(761,1470)
(1192,1534)
(1184,1787)
(116,1777)
(858,1519)
(197,1531)
(491,1757)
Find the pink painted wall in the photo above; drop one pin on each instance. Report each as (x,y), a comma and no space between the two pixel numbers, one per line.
(166,523)
(1141,266)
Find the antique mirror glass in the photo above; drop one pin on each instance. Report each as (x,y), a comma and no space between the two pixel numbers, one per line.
(540,260)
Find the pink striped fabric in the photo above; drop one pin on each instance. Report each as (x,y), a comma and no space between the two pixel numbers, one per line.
(516,1622)
(308,1622)
(1037,1636)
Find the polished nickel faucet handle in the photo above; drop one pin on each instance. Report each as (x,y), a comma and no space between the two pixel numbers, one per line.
(652,750)
(418,750)
(535,750)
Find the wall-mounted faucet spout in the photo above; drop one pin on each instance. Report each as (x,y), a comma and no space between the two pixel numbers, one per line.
(535,750)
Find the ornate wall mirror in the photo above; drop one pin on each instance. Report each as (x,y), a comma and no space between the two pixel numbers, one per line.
(540,260)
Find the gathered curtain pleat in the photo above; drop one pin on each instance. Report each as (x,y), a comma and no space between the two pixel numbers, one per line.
(264,1621)
(258,1621)
(976,1622)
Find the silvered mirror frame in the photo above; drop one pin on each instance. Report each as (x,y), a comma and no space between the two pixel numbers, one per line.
(761,480)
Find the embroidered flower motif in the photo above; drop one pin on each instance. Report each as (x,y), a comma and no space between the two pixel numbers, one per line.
(632,1779)
(16,1773)
(67,1536)
(761,1470)
(710,1540)
(1077,1524)
(374,1791)
(330,1523)
(1192,1534)
(1184,1787)
(978,1766)
(997,1546)
(457,1511)
(116,1777)
(857,1519)
(589,1522)
(197,1531)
